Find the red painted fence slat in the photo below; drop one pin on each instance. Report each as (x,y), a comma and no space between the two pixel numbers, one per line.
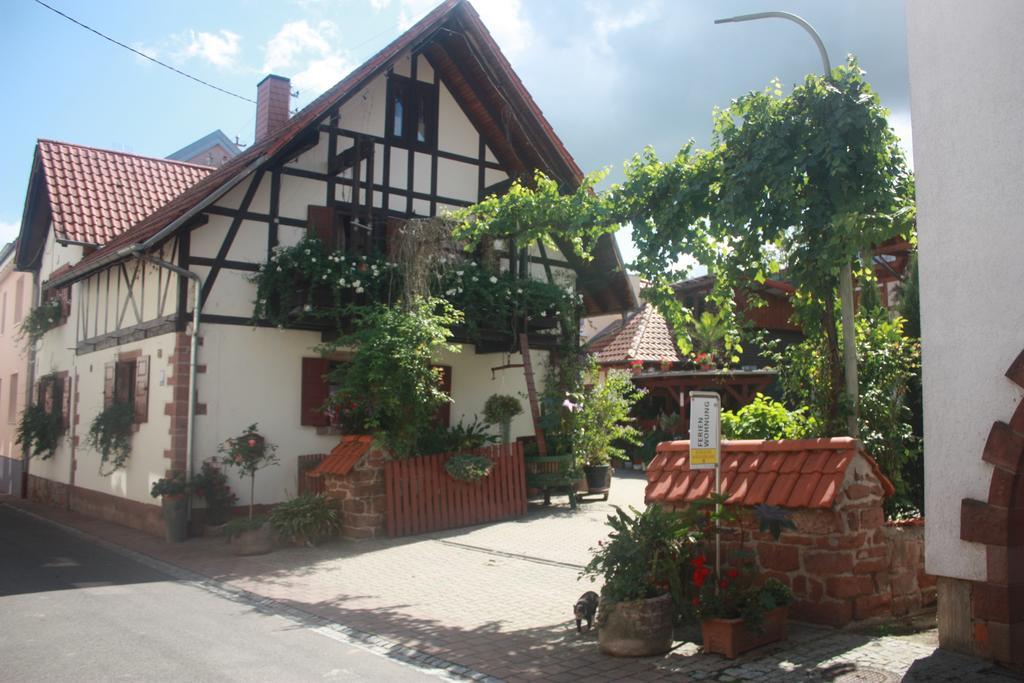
(422,497)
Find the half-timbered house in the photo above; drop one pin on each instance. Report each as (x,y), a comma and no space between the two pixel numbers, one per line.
(163,312)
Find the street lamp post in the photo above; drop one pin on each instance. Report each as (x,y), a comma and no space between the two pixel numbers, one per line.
(846,273)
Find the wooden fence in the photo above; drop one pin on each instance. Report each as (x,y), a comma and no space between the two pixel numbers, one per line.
(423,497)
(308,484)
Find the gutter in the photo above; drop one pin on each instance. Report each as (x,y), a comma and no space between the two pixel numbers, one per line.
(75,274)
(193,350)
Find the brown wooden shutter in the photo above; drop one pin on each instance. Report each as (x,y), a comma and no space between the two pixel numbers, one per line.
(109,372)
(444,413)
(65,409)
(314,391)
(46,390)
(320,223)
(141,389)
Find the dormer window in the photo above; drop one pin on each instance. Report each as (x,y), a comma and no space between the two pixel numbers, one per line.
(412,112)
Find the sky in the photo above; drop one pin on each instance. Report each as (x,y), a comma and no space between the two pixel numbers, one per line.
(610,75)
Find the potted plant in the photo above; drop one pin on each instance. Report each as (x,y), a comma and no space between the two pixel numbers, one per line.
(602,423)
(306,520)
(738,608)
(499,409)
(173,493)
(211,484)
(249,452)
(467,467)
(636,366)
(641,564)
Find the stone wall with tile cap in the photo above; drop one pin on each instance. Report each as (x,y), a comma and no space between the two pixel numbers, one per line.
(354,476)
(842,562)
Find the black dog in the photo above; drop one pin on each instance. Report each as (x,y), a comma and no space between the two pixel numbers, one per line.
(585,608)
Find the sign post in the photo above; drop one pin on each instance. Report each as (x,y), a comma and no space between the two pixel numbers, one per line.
(706,448)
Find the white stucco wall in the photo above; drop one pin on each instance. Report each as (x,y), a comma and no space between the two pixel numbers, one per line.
(966,103)
(147,462)
(254,375)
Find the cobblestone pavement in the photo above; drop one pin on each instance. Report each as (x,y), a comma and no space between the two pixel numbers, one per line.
(497,600)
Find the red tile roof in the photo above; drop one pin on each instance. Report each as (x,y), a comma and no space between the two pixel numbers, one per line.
(97,194)
(344,457)
(807,473)
(644,336)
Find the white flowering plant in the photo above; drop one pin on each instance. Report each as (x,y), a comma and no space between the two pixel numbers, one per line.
(307,281)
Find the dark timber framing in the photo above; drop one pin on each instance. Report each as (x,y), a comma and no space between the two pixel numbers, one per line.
(229,239)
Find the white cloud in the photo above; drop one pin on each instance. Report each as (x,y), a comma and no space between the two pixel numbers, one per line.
(503,18)
(308,53)
(379,5)
(610,19)
(321,74)
(295,39)
(8,231)
(219,49)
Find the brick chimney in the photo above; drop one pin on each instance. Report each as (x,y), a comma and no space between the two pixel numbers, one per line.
(273,97)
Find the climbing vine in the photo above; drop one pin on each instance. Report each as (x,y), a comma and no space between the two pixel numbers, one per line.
(800,183)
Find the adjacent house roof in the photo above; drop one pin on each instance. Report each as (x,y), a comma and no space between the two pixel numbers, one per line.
(204,143)
(96,194)
(344,456)
(482,82)
(643,335)
(805,473)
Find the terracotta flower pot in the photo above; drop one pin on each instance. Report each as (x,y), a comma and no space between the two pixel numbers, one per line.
(637,628)
(731,637)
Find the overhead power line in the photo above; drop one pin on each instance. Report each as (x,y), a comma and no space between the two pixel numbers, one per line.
(142,54)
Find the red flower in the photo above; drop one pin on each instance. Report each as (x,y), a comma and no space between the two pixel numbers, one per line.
(696,602)
(698,561)
(723,584)
(252,443)
(700,574)
(732,573)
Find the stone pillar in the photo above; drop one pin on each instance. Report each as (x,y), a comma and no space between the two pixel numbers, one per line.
(362,497)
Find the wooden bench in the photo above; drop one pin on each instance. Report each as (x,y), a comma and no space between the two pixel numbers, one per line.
(553,471)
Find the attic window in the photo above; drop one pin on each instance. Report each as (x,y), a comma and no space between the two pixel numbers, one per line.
(412,112)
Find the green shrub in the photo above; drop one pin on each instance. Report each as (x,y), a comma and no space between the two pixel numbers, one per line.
(307,519)
(766,418)
(211,484)
(458,437)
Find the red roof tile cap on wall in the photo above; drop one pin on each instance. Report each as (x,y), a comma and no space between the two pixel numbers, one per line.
(344,456)
(805,473)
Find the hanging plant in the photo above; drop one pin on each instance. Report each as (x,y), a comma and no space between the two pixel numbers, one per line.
(111,435)
(499,410)
(39,320)
(39,430)
(468,468)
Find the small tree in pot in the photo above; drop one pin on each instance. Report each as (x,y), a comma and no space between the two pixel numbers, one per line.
(602,422)
(250,452)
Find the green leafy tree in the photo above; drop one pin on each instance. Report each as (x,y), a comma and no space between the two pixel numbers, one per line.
(800,183)
(888,362)
(602,419)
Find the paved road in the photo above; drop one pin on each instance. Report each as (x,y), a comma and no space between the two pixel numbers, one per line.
(72,610)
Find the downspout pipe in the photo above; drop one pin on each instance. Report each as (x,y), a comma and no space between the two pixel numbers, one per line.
(197,306)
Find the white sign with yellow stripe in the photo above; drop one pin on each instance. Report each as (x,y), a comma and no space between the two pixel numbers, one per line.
(705,429)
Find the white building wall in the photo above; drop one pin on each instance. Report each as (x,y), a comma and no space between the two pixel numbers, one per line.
(147,462)
(254,375)
(966,103)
